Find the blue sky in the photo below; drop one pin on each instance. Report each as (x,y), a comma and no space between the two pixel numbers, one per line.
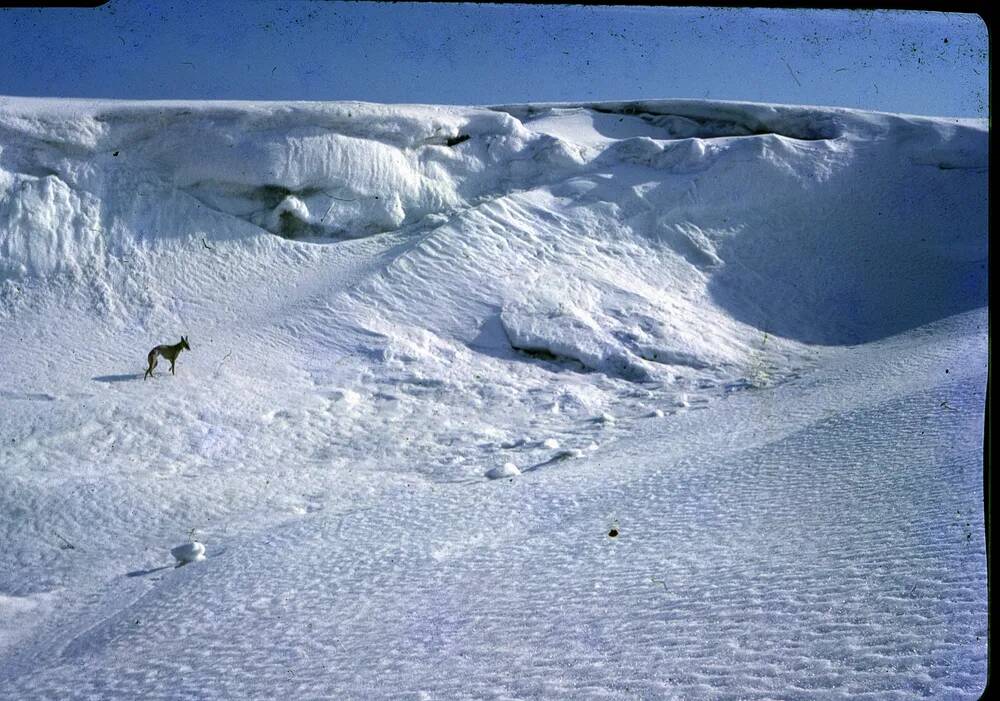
(919,63)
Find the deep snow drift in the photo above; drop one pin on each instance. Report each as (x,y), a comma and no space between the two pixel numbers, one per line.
(439,354)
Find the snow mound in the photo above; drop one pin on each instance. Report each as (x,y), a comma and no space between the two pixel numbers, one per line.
(569,334)
(508,469)
(188,552)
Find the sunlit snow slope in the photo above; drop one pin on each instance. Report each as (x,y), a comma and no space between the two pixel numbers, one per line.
(749,340)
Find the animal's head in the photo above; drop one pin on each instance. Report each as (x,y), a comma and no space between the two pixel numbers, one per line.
(184,343)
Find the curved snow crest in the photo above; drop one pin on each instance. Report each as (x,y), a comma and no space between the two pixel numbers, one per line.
(298,169)
(681,118)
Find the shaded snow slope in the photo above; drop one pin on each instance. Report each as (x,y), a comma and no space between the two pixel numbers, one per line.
(448,344)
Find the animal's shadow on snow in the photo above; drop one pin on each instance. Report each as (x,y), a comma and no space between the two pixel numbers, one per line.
(116,378)
(560,457)
(142,573)
(29,396)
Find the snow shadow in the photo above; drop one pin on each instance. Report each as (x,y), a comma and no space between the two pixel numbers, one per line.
(560,457)
(27,396)
(673,119)
(143,573)
(854,265)
(856,300)
(117,378)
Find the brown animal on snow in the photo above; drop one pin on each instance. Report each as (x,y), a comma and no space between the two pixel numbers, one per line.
(168,352)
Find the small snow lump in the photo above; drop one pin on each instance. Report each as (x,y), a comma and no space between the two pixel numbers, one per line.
(508,469)
(189,552)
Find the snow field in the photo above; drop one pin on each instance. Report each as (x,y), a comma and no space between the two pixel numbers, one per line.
(791,555)
(749,338)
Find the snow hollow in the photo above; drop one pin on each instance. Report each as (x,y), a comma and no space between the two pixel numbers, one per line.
(663,399)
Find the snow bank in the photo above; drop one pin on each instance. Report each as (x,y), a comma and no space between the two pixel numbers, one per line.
(48,227)
(297,170)
(819,225)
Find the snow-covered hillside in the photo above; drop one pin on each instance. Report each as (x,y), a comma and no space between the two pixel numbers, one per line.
(439,355)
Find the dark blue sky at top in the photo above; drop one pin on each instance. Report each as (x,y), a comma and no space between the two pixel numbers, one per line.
(918,63)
